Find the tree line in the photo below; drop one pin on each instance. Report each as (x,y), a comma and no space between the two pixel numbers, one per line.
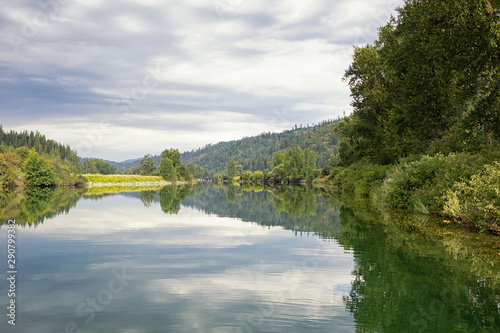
(430,83)
(170,167)
(41,145)
(99,166)
(289,166)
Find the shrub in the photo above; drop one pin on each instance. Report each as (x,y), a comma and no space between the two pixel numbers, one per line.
(422,184)
(39,172)
(359,178)
(217,178)
(258,175)
(403,180)
(477,201)
(246,176)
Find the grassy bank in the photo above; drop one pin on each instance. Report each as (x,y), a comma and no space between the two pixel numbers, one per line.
(463,187)
(129,181)
(115,179)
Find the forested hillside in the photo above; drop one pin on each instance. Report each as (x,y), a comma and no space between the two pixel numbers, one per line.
(255,153)
(131,163)
(30,159)
(42,145)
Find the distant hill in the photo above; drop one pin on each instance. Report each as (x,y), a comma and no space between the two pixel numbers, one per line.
(255,153)
(124,165)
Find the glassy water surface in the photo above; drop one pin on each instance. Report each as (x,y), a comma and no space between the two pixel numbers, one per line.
(236,259)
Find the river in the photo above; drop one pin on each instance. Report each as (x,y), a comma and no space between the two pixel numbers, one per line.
(208,258)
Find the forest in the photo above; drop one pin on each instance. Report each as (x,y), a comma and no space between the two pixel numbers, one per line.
(41,145)
(30,159)
(257,152)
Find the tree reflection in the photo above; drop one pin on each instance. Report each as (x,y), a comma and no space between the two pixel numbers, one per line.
(33,205)
(147,197)
(292,207)
(171,197)
(405,282)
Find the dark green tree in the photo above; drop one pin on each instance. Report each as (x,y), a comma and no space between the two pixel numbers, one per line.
(173,155)
(185,174)
(196,170)
(147,165)
(167,170)
(429,83)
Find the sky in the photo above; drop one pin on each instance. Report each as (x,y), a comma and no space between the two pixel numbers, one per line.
(120,79)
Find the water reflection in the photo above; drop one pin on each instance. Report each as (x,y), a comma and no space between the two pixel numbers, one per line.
(228,259)
(34,205)
(406,281)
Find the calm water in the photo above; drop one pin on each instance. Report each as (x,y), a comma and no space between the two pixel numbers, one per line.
(208,259)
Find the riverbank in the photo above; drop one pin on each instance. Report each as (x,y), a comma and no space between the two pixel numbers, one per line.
(130,181)
(462,187)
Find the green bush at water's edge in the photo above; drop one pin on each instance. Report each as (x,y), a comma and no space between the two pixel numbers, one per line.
(478,200)
(25,167)
(462,185)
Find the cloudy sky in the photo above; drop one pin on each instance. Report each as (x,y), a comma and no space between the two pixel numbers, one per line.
(119,79)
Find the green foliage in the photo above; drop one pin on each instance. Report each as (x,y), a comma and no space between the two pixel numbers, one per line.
(39,171)
(196,170)
(171,167)
(258,152)
(11,174)
(477,201)
(173,155)
(43,146)
(258,175)
(294,165)
(133,171)
(429,84)
(147,165)
(359,179)
(246,176)
(184,173)
(217,178)
(167,170)
(24,166)
(231,170)
(422,183)
(326,170)
(98,166)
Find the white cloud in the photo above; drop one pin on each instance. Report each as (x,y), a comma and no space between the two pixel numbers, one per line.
(241,58)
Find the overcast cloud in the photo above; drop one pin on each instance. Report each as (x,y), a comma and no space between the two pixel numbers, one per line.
(119,79)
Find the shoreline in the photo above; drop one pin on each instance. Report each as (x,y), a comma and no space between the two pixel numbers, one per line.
(142,184)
